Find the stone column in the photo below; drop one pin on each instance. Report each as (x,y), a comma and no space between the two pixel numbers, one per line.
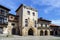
(38,32)
(23,32)
(54,33)
(48,32)
(43,32)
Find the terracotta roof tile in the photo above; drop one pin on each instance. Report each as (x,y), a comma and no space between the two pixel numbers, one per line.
(53,25)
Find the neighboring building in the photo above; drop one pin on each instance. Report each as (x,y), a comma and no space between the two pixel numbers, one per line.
(3,18)
(24,23)
(54,29)
(13,24)
(43,27)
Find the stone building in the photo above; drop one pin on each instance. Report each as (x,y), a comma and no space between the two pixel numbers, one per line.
(27,20)
(24,23)
(54,30)
(43,27)
(3,19)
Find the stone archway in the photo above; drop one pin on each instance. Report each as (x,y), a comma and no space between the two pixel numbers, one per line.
(30,32)
(46,32)
(56,33)
(13,31)
(41,33)
(51,32)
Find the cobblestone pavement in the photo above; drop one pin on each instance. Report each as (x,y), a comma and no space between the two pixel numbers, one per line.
(30,38)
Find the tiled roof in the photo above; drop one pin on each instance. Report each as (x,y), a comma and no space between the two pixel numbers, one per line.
(53,25)
(41,19)
(4,7)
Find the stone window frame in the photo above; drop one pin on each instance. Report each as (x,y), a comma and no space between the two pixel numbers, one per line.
(33,13)
(26,22)
(28,12)
(13,24)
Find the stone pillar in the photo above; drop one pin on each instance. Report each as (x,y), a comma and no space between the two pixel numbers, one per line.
(35,31)
(48,32)
(26,32)
(54,33)
(38,32)
(23,32)
(43,32)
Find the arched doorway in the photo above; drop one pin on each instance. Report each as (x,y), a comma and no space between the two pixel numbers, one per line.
(56,33)
(30,32)
(46,33)
(13,31)
(41,33)
(51,32)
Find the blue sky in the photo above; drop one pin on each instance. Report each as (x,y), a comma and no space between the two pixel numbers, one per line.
(48,9)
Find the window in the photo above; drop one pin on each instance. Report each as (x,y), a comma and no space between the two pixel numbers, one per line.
(28,12)
(2,11)
(1,30)
(5,20)
(35,23)
(13,24)
(33,14)
(41,25)
(26,22)
(46,25)
(0,20)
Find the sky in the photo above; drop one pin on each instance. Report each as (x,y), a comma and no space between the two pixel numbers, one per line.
(48,9)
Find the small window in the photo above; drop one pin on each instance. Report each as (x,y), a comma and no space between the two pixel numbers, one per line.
(35,23)
(13,24)
(26,25)
(2,11)
(5,21)
(33,14)
(0,20)
(41,25)
(46,25)
(28,12)
(26,22)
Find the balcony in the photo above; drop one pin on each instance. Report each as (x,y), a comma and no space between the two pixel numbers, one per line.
(43,27)
(3,21)
(3,15)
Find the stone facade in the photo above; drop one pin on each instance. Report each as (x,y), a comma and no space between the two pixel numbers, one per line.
(27,23)
(43,27)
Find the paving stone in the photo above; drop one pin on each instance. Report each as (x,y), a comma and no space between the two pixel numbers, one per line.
(15,37)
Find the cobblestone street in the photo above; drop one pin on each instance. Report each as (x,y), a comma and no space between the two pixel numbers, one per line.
(30,38)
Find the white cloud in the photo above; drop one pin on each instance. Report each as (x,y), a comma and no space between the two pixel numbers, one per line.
(57,22)
(51,3)
(55,3)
